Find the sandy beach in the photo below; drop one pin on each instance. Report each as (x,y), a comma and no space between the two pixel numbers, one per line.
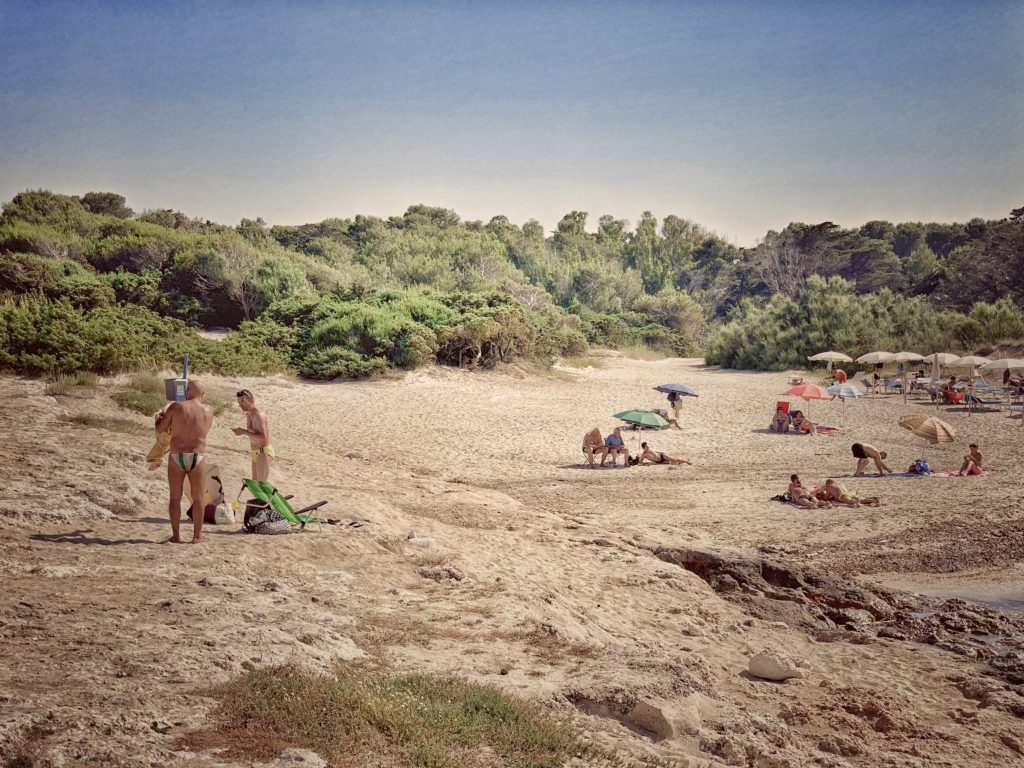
(472,540)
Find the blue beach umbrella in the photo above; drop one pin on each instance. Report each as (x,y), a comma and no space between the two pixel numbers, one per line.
(679,389)
(845,391)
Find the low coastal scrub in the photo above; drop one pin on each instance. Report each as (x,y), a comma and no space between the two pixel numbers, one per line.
(355,717)
(828,314)
(86,284)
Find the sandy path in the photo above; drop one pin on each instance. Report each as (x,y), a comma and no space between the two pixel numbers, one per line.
(536,574)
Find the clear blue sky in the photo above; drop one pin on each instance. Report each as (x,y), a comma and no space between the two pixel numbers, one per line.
(742,116)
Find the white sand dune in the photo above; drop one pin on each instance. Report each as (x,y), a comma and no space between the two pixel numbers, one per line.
(486,549)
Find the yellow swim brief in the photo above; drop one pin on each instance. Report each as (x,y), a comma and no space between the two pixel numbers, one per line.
(267,449)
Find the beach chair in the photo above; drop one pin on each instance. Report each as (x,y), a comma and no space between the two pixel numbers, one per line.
(266,495)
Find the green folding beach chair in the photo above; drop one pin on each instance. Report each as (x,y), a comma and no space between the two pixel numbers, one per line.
(266,495)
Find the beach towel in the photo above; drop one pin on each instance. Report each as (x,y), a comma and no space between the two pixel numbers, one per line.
(833,431)
(935,473)
(156,454)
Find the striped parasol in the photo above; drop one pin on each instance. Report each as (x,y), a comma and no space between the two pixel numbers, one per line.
(931,428)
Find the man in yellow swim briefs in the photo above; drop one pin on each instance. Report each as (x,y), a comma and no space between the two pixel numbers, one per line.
(257,429)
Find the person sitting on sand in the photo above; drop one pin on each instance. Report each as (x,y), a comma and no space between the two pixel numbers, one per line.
(656,457)
(801,495)
(189,423)
(594,443)
(802,424)
(838,493)
(863,452)
(615,447)
(972,462)
(780,421)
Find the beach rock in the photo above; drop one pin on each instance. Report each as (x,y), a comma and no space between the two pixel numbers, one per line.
(668,721)
(769,665)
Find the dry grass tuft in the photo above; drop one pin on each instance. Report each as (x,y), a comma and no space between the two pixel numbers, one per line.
(357,718)
(82,383)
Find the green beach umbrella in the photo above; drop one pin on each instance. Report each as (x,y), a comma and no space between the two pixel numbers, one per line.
(643,418)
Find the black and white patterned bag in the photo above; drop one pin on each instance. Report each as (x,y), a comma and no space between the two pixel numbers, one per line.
(266,521)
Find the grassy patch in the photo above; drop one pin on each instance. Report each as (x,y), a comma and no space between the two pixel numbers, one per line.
(583,362)
(149,383)
(109,423)
(65,384)
(145,403)
(357,718)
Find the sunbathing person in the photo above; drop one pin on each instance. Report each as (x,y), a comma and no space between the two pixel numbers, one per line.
(594,443)
(656,457)
(780,421)
(802,496)
(972,462)
(614,447)
(838,493)
(802,424)
(863,452)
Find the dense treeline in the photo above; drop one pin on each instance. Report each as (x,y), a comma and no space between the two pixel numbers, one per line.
(85,283)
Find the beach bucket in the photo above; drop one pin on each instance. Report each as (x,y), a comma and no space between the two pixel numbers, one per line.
(174,389)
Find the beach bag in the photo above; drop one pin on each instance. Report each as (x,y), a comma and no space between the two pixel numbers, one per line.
(209,514)
(224,515)
(921,467)
(267,521)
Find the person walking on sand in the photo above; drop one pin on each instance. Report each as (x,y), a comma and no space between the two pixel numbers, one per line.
(972,462)
(257,429)
(863,452)
(189,423)
(676,401)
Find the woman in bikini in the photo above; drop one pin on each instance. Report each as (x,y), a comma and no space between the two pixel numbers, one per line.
(840,495)
(657,457)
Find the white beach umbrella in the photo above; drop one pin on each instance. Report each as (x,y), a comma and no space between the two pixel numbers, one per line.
(874,358)
(831,357)
(1003,364)
(942,358)
(970,361)
(906,357)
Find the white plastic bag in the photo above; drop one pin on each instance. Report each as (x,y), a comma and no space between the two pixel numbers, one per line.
(224,515)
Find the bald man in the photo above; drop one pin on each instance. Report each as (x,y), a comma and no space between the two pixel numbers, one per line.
(189,423)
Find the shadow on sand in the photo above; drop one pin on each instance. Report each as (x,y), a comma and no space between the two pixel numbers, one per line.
(80,537)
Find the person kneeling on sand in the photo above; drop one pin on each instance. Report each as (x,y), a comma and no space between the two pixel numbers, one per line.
(838,493)
(656,457)
(615,447)
(863,452)
(972,462)
(802,496)
(594,443)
